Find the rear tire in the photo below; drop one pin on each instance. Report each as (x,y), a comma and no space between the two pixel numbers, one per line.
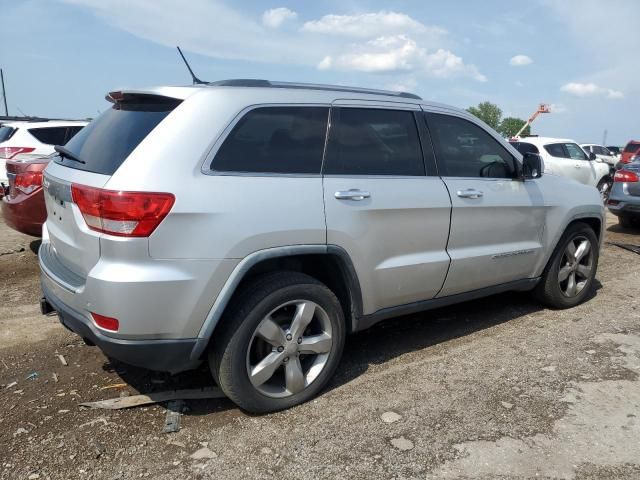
(279,342)
(568,278)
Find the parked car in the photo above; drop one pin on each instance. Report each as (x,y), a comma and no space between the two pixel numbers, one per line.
(23,205)
(263,234)
(28,140)
(631,152)
(624,199)
(615,150)
(602,153)
(565,157)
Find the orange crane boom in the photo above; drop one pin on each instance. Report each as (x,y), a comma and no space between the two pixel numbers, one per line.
(542,108)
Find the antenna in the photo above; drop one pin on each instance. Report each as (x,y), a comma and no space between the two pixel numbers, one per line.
(196,80)
(4,93)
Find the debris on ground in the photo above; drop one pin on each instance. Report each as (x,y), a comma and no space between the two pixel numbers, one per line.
(32,376)
(172,419)
(63,360)
(114,385)
(12,384)
(203,453)
(156,397)
(507,405)
(627,246)
(402,443)
(390,417)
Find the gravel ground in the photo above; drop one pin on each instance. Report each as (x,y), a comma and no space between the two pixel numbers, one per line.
(496,388)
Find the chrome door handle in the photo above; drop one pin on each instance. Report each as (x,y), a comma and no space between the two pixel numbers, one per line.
(353,194)
(470,193)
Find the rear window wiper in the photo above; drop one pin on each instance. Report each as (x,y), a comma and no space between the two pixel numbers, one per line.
(68,154)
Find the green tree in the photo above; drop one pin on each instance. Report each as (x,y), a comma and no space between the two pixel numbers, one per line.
(509,127)
(488,112)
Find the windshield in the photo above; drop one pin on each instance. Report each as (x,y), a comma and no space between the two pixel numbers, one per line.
(106,142)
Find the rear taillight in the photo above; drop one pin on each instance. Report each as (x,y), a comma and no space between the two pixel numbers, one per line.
(10,152)
(125,214)
(626,176)
(107,323)
(28,182)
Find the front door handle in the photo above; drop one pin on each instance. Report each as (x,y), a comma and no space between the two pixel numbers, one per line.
(470,193)
(353,194)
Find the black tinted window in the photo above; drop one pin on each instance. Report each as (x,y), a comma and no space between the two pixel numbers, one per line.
(556,150)
(365,141)
(463,149)
(71,132)
(275,140)
(107,141)
(6,133)
(50,135)
(524,147)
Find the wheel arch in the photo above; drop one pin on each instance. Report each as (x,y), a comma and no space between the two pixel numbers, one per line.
(330,264)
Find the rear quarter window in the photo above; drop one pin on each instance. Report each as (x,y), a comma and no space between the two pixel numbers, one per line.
(284,140)
(556,150)
(6,133)
(50,135)
(107,141)
(524,147)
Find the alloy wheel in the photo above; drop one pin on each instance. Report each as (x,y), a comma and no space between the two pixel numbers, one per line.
(289,349)
(575,267)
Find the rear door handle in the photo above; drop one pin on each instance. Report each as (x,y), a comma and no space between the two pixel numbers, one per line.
(470,193)
(353,194)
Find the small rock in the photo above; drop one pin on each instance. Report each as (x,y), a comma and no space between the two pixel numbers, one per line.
(591,352)
(390,417)
(550,368)
(507,405)
(34,476)
(402,443)
(203,453)
(20,431)
(266,451)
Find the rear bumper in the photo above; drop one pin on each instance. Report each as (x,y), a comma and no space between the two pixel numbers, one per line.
(161,355)
(625,200)
(25,213)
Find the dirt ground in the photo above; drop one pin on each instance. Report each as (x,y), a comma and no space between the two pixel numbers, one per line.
(496,388)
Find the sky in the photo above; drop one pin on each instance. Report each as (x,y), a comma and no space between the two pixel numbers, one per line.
(60,57)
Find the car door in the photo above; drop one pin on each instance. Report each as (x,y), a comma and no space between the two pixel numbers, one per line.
(584,170)
(497,220)
(389,212)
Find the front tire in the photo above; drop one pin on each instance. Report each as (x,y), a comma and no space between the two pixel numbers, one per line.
(568,278)
(280,342)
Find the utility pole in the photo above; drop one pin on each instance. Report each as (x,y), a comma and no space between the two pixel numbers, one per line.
(604,138)
(4,93)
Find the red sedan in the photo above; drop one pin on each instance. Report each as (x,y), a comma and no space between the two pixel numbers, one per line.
(23,205)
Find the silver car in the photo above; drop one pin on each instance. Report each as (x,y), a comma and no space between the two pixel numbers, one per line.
(254,224)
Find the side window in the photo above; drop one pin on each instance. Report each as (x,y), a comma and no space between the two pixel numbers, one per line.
(524,147)
(367,141)
(275,140)
(71,131)
(575,152)
(50,135)
(556,150)
(463,149)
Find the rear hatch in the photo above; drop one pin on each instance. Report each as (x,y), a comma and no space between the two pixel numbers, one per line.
(631,150)
(92,157)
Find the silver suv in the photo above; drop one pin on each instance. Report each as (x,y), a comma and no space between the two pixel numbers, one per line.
(255,224)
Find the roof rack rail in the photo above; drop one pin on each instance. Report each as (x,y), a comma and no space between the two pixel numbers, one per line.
(247,82)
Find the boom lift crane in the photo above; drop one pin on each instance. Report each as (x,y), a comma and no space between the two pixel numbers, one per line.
(542,108)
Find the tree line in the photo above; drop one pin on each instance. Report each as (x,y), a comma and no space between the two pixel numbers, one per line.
(491,114)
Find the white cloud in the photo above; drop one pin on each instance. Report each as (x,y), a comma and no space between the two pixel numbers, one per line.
(399,53)
(520,61)
(275,17)
(590,89)
(370,25)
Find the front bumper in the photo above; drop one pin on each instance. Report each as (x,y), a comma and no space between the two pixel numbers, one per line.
(161,355)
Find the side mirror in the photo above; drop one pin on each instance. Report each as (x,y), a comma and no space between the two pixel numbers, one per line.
(592,156)
(532,166)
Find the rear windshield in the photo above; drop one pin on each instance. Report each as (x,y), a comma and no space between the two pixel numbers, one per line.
(632,147)
(6,133)
(107,141)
